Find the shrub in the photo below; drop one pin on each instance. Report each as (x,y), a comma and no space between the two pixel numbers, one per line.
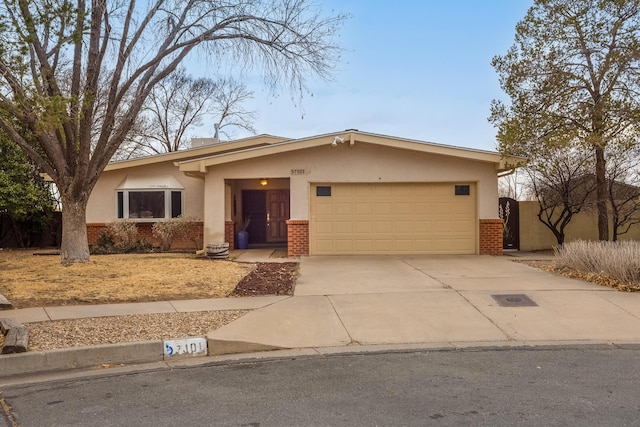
(125,231)
(620,260)
(105,244)
(169,229)
(121,237)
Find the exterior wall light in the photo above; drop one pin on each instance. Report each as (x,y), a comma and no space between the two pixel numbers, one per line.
(264,181)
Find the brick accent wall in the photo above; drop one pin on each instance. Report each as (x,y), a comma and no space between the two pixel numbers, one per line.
(230,233)
(94,230)
(491,237)
(298,237)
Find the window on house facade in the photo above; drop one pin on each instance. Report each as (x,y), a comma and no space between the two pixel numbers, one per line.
(149,198)
(149,204)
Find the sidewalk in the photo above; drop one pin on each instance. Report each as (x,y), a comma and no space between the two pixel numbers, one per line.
(363,303)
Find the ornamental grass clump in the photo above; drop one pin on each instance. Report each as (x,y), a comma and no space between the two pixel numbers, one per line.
(619,260)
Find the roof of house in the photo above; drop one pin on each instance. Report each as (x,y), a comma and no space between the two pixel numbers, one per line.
(203,151)
(351,137)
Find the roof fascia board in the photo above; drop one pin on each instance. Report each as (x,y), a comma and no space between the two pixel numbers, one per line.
(196,153)
(249,153)
(353,138)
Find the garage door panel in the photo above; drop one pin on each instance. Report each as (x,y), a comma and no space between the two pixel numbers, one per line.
(324,227)
(403,227)
(343,209)
(393,218)
(465,227)
(383,227)
(402,208)
(364,245)
(383,245)
(423,245)
(421,208)
(422,227)
(364,227)
(363,208)
(384,208)
(343,227)
(403,245)
(344,246)
(324,209)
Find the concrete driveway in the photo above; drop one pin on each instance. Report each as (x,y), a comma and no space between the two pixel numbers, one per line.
(432,300)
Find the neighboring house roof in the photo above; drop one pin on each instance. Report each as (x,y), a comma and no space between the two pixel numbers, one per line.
(205,150)
(350,137)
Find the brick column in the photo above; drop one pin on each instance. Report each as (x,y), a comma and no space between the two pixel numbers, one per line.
(298,237)
(230,234)
(490,237)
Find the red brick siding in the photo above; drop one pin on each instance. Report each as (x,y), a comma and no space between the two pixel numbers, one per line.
(230,233)
(490,237)
(94,230)
(298,237)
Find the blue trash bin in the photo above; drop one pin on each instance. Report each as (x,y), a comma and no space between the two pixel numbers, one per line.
(243,240)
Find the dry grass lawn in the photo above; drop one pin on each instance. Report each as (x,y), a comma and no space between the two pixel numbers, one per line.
(29,280)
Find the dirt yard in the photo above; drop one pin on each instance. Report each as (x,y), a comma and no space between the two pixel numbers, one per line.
(29,280)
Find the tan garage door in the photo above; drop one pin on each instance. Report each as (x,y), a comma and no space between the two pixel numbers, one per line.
(412,218)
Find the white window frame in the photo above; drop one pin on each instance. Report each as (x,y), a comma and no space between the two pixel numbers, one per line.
(167,203)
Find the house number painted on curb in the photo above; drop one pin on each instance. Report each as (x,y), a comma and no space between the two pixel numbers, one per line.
(185,347)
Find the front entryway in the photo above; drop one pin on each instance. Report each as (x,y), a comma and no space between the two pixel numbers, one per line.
(269,212)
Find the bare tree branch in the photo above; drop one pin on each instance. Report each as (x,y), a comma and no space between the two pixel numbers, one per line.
(54,55)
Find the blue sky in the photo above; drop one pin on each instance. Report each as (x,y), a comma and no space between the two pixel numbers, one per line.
(417,69)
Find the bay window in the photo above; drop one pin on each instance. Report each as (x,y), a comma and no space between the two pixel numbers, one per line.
(149,197)
(149,204)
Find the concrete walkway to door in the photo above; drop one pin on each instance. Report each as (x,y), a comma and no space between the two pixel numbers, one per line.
(434,301)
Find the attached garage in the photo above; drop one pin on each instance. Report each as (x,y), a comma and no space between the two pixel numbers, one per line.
(393,218)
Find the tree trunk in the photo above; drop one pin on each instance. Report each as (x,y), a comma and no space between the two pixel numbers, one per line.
(75,246)
(601,195)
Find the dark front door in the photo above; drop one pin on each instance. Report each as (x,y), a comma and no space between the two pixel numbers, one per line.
(277,215)
(254,206)
(269,212)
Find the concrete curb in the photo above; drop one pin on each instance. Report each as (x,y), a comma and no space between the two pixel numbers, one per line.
(224,347)
(151,352)
(80,357)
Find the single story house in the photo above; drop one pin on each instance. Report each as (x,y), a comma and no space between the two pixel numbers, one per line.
(347,192)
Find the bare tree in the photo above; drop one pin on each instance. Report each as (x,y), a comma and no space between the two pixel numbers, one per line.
(623,187)
(56,54)
(511,185)
(227,108)
(561,183)
(180,102)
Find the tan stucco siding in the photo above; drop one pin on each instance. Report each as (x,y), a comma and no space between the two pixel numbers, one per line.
(102,207)
(343,163)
